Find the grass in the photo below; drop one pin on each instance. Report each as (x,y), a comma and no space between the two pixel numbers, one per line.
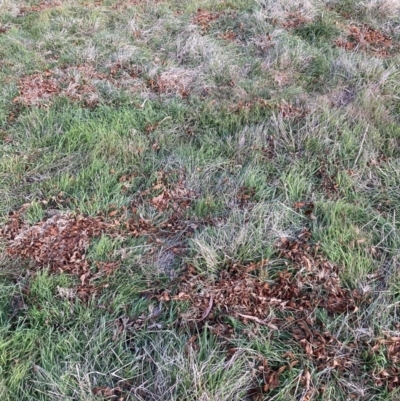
(204,132)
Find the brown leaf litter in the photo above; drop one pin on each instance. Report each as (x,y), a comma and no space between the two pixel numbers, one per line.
(61,240)
(263,43)
(389,376)
(328,181)
(177,81)
(310,282)
(60,243)
(205,18)
(168,193)
(245,195)
(42,6)
(287,302)
(36,88)
(288,111)
(78,83)
(367,39)
(294,20)
(121,392)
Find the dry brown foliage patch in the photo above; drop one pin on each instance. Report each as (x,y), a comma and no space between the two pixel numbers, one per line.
(167,193)
(367,39)
(287,111)
(60,243)
(294,20)
(286,302)
(310,282)
(204,18)
(230,36)
(42,6)
(36,88)
(390,375)
(75,82)
(177,81)
(328,181)
(61,240)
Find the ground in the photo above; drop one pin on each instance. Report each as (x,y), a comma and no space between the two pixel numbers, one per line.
(199,200)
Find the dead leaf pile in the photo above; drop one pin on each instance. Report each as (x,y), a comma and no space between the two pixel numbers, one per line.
(294,20)
(118,70)
(122,392)
(367,39)
(60,243)
(177,198)
(390,375)
(230,36)
(36,88)
(77,83)
(310,282)
(42,6)
(108,393)
(204,19)
(286,110)
(245,195)
(287,303)
(176,81)
(266,377)
(167,193)
(263,43)
(268,151)
(246,106)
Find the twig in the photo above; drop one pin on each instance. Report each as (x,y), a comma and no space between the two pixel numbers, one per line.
(259,321)
(207,311)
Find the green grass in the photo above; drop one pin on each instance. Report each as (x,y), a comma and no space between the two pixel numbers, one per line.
(247,126)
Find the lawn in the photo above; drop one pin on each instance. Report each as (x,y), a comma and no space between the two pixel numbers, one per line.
(199,200)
